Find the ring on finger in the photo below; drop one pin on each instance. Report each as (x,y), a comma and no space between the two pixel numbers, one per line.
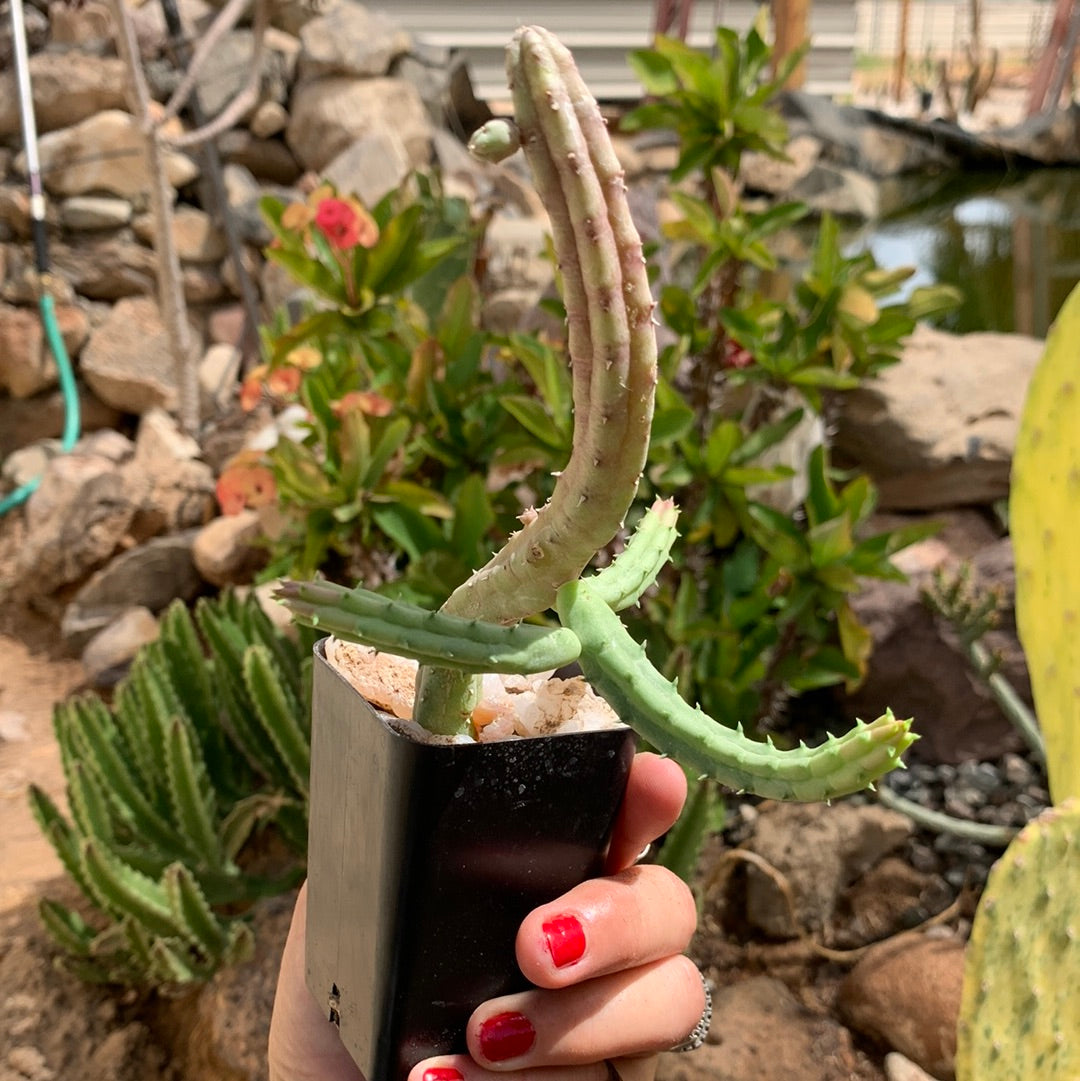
(701,1030)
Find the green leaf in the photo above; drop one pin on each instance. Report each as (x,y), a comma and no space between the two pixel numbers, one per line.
(473,517)
(193,798)
(278,713)
(532,416)
(124,891)
(654,71)
(191,912)
(412,532)
(720,445)
(68,929)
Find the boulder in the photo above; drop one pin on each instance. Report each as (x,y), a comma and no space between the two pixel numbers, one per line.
(918,667)
(219,373)
(72,162)
(91,213)
(227,68)
(226,550)
(843,192)
(149,576)
(375,164)
(269,119)
(197,238)
(24,421)
(905,992)
(127,362)
(87,26)
(76,520)
(938,429)
(109,653)
(266,159)
(23,465)
(762,173)
(330,114)
(820,850)
(27,365)
(68,87)
(350,40)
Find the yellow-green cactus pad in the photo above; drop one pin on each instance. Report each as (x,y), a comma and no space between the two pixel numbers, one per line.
(1020,1009)
(1044,519)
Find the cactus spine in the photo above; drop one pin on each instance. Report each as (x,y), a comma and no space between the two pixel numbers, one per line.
(612,347)
(1044,520)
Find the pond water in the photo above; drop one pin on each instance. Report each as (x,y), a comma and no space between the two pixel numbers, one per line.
(1010,243)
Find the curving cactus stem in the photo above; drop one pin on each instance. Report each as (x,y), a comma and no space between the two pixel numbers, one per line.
(612,346)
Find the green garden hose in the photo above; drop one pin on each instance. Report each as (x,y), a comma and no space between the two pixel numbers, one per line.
(46,304)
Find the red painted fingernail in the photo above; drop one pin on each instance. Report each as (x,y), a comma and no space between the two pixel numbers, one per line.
(442,1073)
(565,939)
(506,1035)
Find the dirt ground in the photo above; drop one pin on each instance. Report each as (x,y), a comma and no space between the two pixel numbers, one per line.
(33,677)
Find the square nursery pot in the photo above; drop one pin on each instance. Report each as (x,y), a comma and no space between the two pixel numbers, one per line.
(424,859)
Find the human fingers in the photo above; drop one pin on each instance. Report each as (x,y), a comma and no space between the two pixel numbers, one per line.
(463,1068)
(605,925)
(304,1046)
(655,794)
(640,1011)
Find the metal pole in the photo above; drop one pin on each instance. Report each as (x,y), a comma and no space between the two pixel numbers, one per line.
(29,133)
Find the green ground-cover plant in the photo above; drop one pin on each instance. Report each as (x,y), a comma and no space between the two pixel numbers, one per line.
(204,746)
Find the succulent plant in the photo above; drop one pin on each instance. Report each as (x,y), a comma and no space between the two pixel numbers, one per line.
(167,786)
(1020,1011)
(612,346)
(1044,520)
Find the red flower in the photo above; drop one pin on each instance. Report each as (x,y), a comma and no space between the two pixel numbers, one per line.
(283,381)
(339,223)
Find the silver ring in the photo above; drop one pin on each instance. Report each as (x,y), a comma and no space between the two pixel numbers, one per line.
(701,1030)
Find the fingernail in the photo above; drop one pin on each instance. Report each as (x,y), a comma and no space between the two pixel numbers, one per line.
(565,940)
(506,1035)
(442,1073)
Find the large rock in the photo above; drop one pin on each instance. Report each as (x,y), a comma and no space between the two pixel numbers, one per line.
(73,161)
(350,40)
(227,68)
(102,266)
(372,166)
(149,576)
(918,667)
(127,362)
(68,87)
(26,420)
(227,551)
(906,993)
(820,850)
(761,1032)
(111,650)
(938,429)
(330,114)
(76,520)
(27,365)
(267,159)
(92,213)
(196,237)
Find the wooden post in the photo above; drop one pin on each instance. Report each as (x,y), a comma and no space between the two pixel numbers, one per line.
(791,22)
(900,71)
(1044,73)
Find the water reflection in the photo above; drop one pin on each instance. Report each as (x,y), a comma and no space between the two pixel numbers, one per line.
(1012,245)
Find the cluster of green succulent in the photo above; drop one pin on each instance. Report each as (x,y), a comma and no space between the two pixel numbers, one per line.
(205,745)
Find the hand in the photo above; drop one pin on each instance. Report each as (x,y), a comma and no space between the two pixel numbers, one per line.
(628,995)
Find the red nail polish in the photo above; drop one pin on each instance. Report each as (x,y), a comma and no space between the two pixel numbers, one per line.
(505,1036)
(442,1073)
(565,940)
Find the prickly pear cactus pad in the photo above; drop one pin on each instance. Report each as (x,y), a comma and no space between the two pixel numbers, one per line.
(1044,520)
(1020,1010)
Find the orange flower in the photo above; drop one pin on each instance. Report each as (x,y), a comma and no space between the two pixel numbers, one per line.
(252,387)
(297,217)
(363,401)
(304,357)
(283,381)
(244,483)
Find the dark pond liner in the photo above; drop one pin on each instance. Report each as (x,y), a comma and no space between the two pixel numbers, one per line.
(423,861)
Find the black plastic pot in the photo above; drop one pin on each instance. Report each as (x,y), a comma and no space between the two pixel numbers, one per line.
(424,859)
